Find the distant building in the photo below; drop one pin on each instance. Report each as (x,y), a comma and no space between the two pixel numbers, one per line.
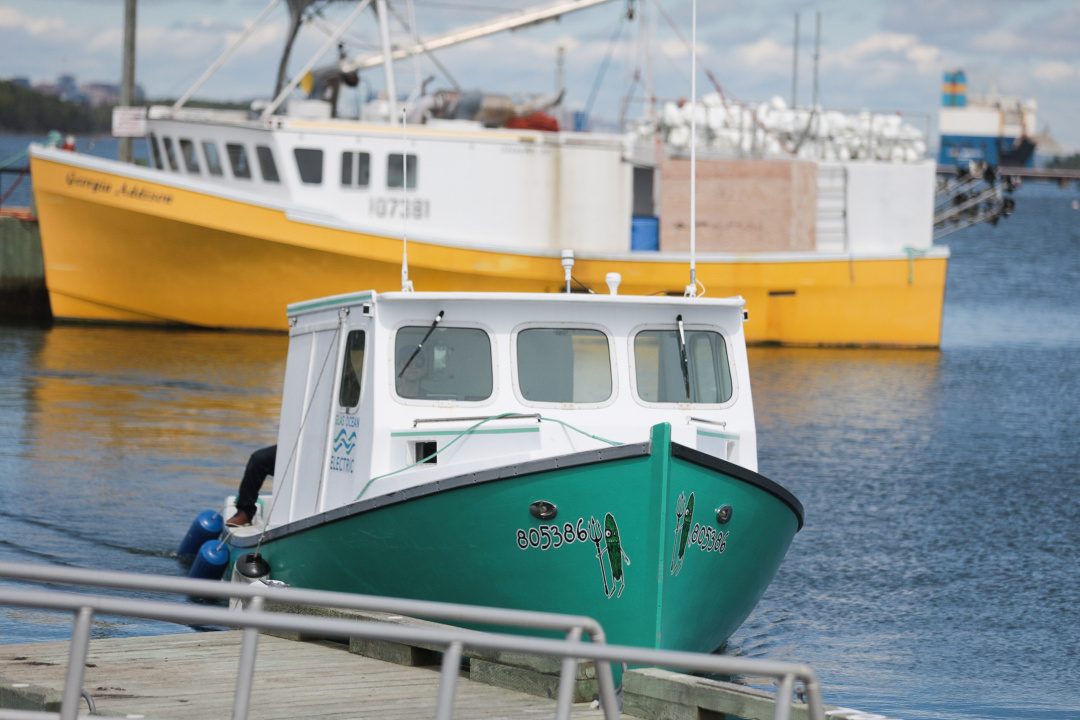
(92,94)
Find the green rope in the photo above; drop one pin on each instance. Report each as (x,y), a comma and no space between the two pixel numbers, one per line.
(468,431)
(566,424)
(13,158)
(911,253)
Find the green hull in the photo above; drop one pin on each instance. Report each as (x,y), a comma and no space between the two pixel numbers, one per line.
(474,540)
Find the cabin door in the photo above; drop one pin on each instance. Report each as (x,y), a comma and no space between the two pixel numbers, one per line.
(306,413)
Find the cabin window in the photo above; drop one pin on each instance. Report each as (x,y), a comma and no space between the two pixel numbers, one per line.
(266,163)
(169,153)
(452,364)
(394,175)
(191,158)
(309,163)
(213,160)
(659,367)
(355,169)
(352,370)
(155,149)
(238,159)
(563,365)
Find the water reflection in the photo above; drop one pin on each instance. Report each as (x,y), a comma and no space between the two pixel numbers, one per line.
(114,438)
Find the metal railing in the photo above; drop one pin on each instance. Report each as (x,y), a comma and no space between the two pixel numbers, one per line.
(254,618)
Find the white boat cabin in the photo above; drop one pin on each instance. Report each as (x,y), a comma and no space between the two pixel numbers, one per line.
(391,390)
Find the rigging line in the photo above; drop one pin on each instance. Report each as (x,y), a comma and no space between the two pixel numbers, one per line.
(719,88)
(603,66)
(429,53)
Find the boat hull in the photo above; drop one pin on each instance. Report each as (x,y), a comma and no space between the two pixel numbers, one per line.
(614,551)
(123,248)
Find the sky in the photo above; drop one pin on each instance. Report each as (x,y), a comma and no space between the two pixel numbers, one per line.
(880,55)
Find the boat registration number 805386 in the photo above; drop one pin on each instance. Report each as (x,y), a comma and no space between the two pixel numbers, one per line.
(552,536)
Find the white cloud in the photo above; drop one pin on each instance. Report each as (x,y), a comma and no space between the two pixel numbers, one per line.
(53,28)
(1054,71)
(887,54)
(765,54)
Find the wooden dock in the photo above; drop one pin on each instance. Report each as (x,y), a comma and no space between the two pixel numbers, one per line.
(23,295)
(193,676)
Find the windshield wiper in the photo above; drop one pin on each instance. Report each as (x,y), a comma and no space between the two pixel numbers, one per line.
(438,319)
(684,361)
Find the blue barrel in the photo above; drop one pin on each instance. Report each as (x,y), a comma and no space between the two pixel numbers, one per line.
(581,121)
(207,526)
(645,232)
(210,562)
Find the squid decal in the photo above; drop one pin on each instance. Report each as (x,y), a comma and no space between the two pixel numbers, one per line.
(684,517)
(609,547)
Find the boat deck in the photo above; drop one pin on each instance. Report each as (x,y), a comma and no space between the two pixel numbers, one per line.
(193,675)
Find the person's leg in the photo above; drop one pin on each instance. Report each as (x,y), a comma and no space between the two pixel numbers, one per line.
(260,464)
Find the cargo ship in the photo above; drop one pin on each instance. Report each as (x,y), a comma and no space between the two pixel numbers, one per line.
(992,128)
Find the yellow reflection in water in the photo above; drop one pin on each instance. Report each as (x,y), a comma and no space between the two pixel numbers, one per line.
(180,398)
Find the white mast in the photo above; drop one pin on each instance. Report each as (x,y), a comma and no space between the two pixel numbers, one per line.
(691,289)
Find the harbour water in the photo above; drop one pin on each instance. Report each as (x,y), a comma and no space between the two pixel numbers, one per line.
(937,574)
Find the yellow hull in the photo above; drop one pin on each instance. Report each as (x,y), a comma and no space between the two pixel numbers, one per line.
(125,250)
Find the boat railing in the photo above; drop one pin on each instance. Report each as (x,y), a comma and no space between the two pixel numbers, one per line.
(254,618)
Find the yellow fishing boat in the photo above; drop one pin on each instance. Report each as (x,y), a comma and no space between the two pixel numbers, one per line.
(240,214)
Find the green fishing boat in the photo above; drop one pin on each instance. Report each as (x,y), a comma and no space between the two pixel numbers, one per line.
(584,454)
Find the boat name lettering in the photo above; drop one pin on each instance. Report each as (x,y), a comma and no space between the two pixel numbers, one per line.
(341,464)
(413,208)
(136,192)
(549,537)
(91,184)
(346,421)
(709,539)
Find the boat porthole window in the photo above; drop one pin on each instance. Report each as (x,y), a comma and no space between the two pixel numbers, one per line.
(155,150)
(352,370)
(266,163)
(191,158)
(309,161)
(238,160)
(170,154)
(563,365)
(395,172)
(213,160)
(659,368)
(355,169)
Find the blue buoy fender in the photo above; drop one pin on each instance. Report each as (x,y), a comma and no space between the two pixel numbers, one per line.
(211,561)
(207,526)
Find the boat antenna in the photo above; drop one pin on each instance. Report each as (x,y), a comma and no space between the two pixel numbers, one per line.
(406,283)
(691,289)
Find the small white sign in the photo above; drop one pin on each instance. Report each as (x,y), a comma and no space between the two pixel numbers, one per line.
(129,122)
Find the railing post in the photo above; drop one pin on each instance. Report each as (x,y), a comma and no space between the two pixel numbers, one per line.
(451,665)
(80,642)
(246,672)
(783,697)
(815,704)
(567,679)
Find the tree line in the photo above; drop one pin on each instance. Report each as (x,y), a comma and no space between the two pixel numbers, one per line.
(1062,162)
(23,110)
